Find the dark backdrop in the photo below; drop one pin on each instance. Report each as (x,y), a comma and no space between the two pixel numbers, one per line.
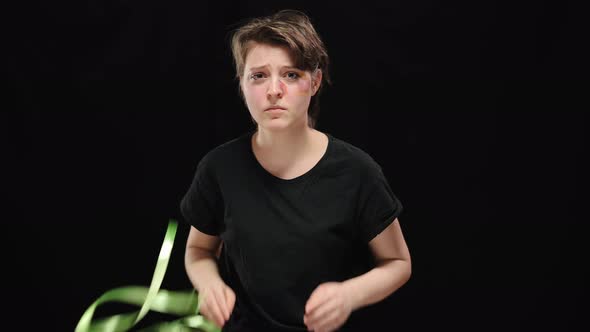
(474,109)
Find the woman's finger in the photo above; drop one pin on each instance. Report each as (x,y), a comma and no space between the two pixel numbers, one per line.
(230,299)
(220,296)
(215,309)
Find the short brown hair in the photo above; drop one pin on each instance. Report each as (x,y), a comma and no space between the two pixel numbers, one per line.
(292,29)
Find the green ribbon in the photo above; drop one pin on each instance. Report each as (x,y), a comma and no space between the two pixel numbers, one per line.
(180,303)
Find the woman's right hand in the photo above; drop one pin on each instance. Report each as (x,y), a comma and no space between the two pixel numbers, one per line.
(217,302)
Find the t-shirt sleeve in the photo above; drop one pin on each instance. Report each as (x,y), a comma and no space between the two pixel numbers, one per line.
(378,205)
(202,205)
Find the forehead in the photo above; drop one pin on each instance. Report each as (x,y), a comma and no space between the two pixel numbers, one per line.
(260,55)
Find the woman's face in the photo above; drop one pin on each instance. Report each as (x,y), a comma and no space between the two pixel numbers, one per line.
(270,80)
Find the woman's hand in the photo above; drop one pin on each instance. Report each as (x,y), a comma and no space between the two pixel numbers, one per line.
(217,302)
(328,307)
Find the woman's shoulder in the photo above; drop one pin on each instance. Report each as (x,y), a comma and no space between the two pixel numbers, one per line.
(353,153)
(227,149)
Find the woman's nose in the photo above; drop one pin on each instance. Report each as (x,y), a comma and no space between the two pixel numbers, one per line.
(275,88)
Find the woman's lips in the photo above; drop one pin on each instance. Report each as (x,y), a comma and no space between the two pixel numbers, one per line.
(275,110)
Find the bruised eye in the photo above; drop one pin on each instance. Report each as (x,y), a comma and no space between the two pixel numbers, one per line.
(292,75)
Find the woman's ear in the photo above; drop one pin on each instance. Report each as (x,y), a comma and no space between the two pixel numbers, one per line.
(316,81)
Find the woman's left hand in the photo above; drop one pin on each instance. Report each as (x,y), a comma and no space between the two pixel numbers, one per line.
(328,307)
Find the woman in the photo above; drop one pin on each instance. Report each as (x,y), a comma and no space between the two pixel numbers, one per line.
(308,222)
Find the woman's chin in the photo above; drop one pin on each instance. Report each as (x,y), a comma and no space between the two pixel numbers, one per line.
(275,124)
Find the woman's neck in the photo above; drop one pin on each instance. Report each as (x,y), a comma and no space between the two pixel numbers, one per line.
(284,145)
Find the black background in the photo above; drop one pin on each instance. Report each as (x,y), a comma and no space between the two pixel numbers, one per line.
(474,109)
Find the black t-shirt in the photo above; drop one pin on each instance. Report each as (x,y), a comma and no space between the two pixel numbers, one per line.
(283,238)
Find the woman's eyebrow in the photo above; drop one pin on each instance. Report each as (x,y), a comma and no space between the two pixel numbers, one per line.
(262,67)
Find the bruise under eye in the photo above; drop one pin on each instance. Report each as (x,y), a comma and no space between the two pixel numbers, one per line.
(293,74)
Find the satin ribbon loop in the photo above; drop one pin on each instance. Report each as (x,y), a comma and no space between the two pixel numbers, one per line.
(179,303)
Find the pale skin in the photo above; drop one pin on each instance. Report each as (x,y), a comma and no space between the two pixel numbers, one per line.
(287,147)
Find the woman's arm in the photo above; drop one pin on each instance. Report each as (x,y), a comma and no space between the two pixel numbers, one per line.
(216,298)
(331,303)
(201,257)
(393,269)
